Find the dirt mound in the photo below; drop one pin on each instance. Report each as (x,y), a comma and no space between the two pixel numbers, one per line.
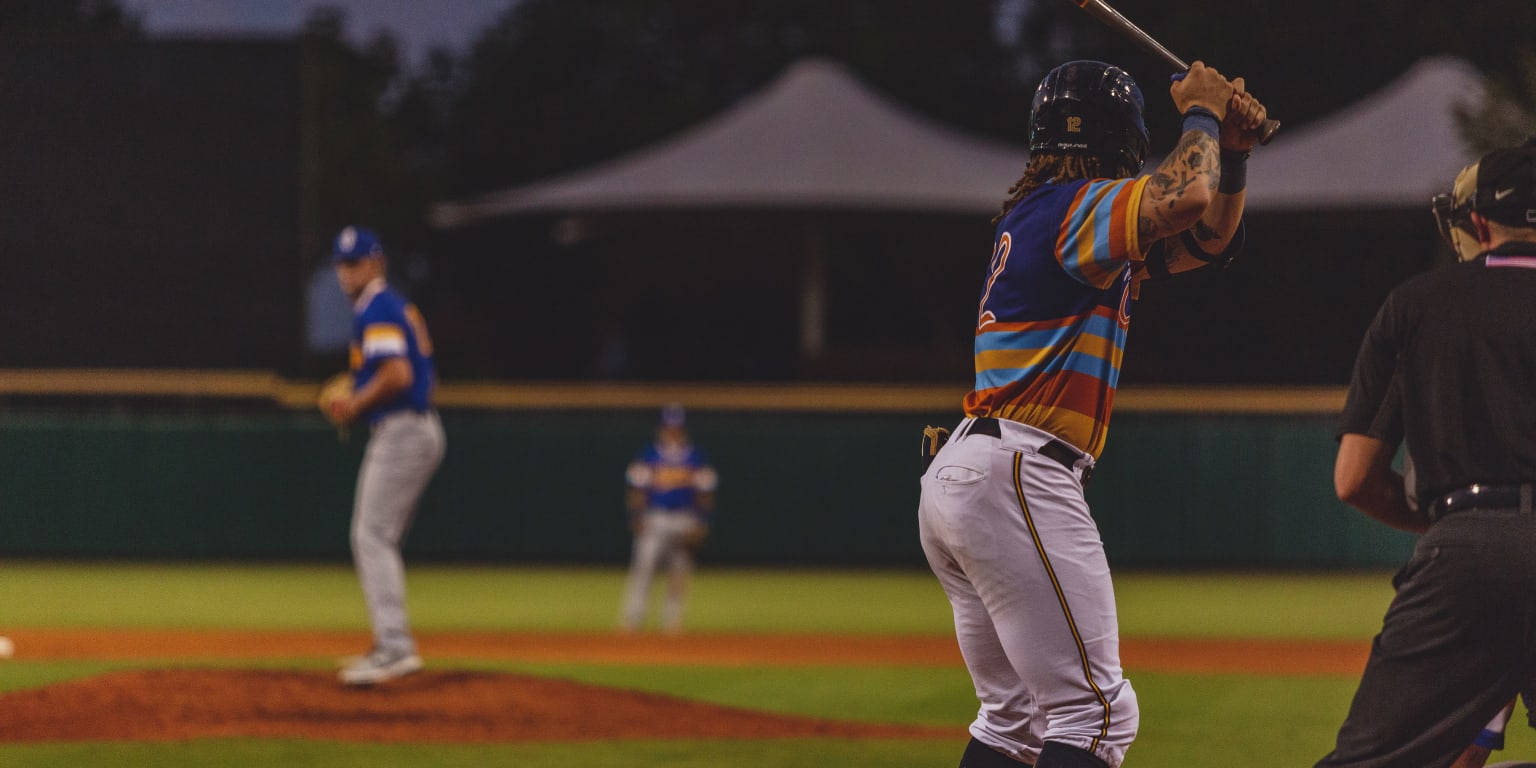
(587,647)
(450,706)
(1138,654)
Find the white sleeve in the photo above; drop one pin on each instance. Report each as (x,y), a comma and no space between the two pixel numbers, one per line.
(639,475)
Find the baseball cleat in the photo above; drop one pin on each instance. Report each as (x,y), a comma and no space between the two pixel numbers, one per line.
(351,661)
(380,666)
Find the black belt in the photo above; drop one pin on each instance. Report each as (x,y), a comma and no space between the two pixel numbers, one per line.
(1056,450)
(1481,497)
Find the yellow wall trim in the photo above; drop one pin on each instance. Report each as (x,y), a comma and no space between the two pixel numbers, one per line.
(587,395)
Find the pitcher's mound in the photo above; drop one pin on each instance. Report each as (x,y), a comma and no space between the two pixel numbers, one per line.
(449,706)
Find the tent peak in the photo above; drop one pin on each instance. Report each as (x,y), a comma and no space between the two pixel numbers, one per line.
(816,137)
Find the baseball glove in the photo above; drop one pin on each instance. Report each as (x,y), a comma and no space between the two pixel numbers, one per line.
(335,390)
(694,538)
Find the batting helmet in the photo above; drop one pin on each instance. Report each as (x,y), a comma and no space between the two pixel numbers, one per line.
(1091,108)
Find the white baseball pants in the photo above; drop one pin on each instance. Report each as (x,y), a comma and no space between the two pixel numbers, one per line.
(660,543)
(1009,535)
(403,452)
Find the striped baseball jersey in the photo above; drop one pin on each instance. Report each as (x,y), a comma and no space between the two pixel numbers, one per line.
(1055,308)
(385,325)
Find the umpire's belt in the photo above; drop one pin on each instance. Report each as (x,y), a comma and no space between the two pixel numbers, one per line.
(1481,497)
(1053,449)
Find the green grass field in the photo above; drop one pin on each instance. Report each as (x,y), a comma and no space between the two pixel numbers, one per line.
(1187,720)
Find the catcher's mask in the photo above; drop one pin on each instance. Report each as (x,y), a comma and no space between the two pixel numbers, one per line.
(1453,214)
(1501,186)
(1090,108)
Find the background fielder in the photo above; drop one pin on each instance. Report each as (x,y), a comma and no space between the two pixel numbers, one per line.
(670,500)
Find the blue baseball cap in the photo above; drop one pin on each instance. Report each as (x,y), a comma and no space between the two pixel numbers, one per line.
(354,243)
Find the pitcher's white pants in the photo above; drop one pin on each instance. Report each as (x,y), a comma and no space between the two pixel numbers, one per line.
(1009,535)
(403,452)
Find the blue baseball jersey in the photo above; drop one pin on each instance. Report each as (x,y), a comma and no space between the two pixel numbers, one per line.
(386,326)
(1055,308)
(672,477)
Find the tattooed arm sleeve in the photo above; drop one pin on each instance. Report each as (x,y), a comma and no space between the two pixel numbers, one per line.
(1181,191)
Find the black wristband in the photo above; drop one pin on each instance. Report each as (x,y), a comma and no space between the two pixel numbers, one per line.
(1203,120)
(1234,172)
(1223,259)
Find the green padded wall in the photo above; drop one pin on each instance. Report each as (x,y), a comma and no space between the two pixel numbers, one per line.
(1173,490)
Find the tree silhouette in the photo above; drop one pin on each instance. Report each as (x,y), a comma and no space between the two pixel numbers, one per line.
(557,84)
(1507,113)
(1304,58)
(104,20)
(357,167)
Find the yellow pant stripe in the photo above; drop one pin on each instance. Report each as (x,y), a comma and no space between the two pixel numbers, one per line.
(1061,597)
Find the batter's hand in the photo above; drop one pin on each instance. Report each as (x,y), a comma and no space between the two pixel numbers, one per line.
(1241,128)
(1202,86)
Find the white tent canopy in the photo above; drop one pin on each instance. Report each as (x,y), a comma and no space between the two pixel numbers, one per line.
(817,138)
(1393,149)
(814,138)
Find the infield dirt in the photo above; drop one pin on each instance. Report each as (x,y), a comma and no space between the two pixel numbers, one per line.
(463,706)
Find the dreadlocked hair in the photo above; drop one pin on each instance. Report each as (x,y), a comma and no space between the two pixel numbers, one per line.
(1046,167)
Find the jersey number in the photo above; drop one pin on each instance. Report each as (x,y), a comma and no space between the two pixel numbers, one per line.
(419,328)
(984,317)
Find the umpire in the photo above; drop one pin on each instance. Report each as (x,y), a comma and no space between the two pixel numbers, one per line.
(1449,368)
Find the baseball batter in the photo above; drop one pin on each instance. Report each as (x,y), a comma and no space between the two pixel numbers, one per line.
(670,498)
(394,377)
(1002,517)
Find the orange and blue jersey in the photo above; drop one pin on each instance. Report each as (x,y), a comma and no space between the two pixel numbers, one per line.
(1055,309)
(386,326)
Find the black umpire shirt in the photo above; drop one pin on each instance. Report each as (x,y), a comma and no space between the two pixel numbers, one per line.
(1452,357)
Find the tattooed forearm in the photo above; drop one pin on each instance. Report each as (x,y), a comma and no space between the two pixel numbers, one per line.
(1204,232)
(1192,165)
(1196,155)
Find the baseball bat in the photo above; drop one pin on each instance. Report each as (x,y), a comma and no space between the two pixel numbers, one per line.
(1111,17)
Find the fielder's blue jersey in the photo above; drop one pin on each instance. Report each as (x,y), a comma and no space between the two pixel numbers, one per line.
(385,326)
(1055,309)
(672,477)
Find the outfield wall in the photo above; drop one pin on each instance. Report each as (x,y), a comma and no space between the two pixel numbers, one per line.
(1174,489)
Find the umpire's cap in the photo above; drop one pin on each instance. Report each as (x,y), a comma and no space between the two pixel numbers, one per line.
(1091,108)
(1506,185)
(353,243)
